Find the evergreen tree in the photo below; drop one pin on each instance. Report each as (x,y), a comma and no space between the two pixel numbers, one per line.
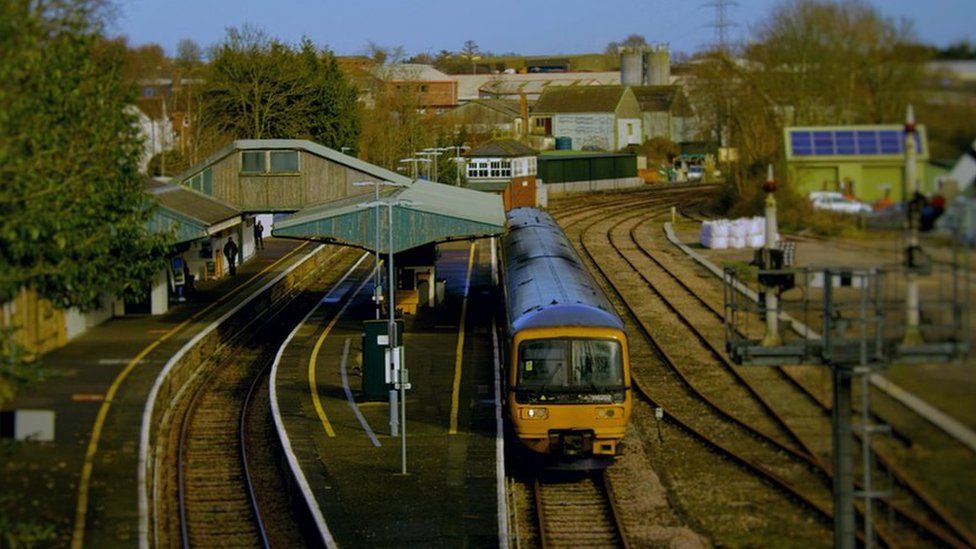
(73,209)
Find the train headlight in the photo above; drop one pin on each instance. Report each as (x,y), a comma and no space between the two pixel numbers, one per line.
(609,412)
(534,413)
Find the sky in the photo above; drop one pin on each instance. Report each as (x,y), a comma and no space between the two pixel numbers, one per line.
(499,26)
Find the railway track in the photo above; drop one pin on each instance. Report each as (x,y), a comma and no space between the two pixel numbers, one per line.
(218,500)
(912,502)
(811,492)
(581,513)
(578,511)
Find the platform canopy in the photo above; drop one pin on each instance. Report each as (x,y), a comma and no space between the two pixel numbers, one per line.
(188,214)
(423,213)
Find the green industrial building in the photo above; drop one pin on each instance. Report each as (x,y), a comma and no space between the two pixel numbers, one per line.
(868,159)
(571,166)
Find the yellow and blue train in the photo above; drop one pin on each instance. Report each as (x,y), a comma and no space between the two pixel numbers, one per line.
(568,391)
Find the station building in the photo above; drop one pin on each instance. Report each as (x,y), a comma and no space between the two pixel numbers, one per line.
(865,161)
(506,167)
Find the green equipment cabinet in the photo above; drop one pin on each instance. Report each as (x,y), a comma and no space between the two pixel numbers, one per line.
(375,334)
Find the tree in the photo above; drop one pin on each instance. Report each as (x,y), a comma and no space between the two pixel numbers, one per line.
(334,114)
(470,53)
(261,88)
(188,54)
(811,62)
(144,62)
(385,55)
(73,207)
(393,127)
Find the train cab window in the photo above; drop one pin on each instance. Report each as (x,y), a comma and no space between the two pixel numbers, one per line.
(577,365)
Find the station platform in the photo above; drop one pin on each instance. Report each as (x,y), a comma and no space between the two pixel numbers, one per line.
(344,449)
(97,386)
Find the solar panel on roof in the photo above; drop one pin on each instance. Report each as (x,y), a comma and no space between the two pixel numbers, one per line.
(867,142)
(823,143)
(801,143)
(891,141)
(849,142)
(844,142)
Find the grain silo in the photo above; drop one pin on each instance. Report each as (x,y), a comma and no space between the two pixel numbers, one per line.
(631,66)
(657,66)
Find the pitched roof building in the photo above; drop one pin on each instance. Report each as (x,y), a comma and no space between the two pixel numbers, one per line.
(604,118)
(665,112)
(436,91)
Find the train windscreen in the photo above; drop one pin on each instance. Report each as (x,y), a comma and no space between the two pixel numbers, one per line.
(570,365)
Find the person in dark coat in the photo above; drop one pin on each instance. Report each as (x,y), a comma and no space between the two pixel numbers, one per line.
(259,235)
(230,252)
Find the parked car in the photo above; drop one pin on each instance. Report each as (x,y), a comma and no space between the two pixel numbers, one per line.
(836,202)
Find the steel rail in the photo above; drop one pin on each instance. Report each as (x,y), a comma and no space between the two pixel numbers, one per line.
(250,329)
(912,486)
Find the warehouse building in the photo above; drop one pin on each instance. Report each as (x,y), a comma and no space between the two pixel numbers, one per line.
(562,172)
(594,118)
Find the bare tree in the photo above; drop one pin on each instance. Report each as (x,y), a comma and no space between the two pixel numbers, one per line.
(811,62)
(188,53)
(470,53)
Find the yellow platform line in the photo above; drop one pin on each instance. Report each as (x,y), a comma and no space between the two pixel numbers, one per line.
(84,483)
(458,352)
(312,385)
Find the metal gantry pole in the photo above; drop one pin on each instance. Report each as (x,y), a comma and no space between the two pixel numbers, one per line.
(844,534)
(377,291)
(843,482)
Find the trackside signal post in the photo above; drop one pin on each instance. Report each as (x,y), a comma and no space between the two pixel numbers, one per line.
(855,321)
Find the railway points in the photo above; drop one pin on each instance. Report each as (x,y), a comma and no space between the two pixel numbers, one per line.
(449,496)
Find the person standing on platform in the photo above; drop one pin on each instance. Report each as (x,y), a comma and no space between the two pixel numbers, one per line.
(259,235)
(230,252)
(178,275)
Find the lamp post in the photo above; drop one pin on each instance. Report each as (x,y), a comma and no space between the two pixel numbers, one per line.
(431,156)
(435,153)
(401,378)
(458,160)
(414,162)
(377,287)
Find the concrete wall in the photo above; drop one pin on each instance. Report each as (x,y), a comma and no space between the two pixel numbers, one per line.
(629,132)
(586,129)
(559,189)
(159,295)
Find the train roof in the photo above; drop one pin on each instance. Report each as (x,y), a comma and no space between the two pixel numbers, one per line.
(547,283)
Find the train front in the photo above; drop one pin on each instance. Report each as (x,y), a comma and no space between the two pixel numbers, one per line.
(569,394)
